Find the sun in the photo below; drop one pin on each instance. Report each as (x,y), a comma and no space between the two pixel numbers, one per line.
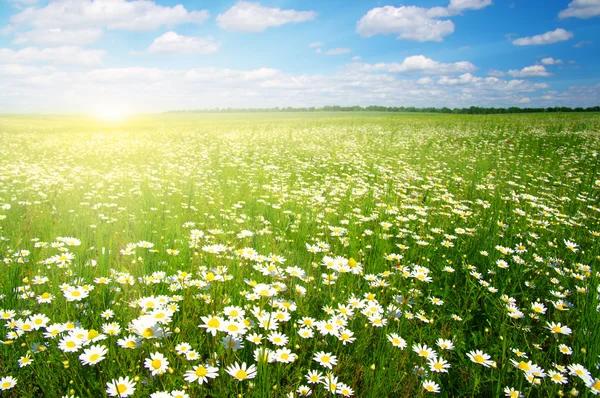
(110,114)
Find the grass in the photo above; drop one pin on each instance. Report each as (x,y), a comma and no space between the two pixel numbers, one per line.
(478,230)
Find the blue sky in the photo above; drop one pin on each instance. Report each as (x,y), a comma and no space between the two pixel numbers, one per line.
(146,56)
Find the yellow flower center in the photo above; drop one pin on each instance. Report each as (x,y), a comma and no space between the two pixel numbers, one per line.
(214,323)
(130,344)
(325,358)
(201,371)
(121,388)
(6,384)
(556,329)
(241,374)
(479,358)
(156,364)
(70,344)
(524,366)
(148,332)
(94,357)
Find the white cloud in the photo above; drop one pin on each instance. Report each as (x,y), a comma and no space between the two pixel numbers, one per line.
(581,9)
(339,51)
(582,44)
(462,79)
(525,100)
(460,5)
(495,73)
(135,15)
(553,36)
(356,58)
(132,74)
(27,88)
(56,55)
(247,16)
(551,61)
(315,44)
(530,71)
(420,65)
(58,36)
(173,43)
(408,22)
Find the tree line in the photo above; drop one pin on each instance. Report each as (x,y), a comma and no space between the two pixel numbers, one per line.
(473,110)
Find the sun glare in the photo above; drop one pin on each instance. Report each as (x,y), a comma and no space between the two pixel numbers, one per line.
(110,114)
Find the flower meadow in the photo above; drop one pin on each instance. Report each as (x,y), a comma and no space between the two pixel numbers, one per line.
(290,255)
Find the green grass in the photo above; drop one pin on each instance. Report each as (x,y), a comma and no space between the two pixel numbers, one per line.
(414,194)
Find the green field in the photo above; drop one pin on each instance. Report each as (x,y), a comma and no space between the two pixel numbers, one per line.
(383,255)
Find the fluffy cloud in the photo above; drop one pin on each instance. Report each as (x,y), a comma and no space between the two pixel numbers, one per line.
(415,23)
(246,16)
(339,51)
(315,44)
(57,55)
(58,36)
(551,61)
(460,5)
(408,22)
(173,43)
(582,44)
(529,71)
(135,15)
(581,9)
(153,89)
(419,65)
(553,36)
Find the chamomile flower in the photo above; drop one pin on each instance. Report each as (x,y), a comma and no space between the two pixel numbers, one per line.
(242,372)
(122,387)
(8,382)
(431,386)
(157,364)
(201,374)
(480,358)
(93,355)
(325,359)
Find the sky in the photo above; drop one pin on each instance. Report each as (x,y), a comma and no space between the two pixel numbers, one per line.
(138,56)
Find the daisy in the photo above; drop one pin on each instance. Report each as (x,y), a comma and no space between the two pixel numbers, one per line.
(285,355)
(578,370)
(346,336)
(93,355)
(25,361)
(558,328)
(344,390)
(325,359)
(277,338)
(594,385)
(8,382)
(445,344)
(157,364)
(179,394)
(510,392)
(131,342)
(242,372)
(123,387)
(212,324)
(480,357)
(397,341)
(439,365)
(70,344)
(305,391)
(565,349)
(431,386)
(201,373)
(557,378)
(424,351)
(314,377)
(182,348)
